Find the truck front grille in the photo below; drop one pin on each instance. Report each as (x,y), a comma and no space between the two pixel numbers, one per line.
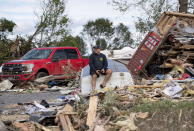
(12,69)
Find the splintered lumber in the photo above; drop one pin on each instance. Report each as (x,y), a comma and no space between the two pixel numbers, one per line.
(179,14)
(146,86)
(63,122)
(188,53)
(64,118)
(93,102)
(166,65)
(187,47)
(30,126)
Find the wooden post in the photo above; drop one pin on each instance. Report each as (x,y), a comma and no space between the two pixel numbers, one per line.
(64,118)
(93,102)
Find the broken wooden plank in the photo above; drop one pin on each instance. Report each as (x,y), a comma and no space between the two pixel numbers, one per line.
(54,128)
(63,122)
(93,102)
(69,113)
(41,127)
(64,118)
(187,47)
(146,86)
(30,126)
(70,126)
(68,108)
(179,14)
(12,118)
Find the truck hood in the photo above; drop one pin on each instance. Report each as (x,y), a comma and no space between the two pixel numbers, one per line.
(22,61)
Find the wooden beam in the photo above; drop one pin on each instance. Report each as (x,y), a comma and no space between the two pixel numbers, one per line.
(179,14)
(64,118)
(63,122)
(187,47)
(93,102)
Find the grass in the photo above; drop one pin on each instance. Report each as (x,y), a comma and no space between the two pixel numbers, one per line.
(162,106)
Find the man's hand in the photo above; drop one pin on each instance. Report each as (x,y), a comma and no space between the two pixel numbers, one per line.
(103,71)
(98,72)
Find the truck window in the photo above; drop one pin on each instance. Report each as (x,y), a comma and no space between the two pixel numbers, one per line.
(37,54)
(71,54)
(61,54)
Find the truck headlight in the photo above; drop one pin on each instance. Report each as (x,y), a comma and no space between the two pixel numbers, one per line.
(1,68)
(28,67)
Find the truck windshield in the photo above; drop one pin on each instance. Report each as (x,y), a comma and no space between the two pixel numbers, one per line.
(37,54)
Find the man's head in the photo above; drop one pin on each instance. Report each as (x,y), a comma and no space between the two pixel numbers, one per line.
(97,49)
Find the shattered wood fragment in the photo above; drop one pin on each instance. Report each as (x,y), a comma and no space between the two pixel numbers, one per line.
(24,126)
(142,115)
(64,118)
(12,118)
(187,47)
(69,123)
(54,128)
(30,126)
(41,127)
(68,108)
(69,113)
(63,122)
(93,102)
(99,128)
(146,86)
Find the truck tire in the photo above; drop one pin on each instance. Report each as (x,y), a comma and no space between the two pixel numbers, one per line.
(41,74)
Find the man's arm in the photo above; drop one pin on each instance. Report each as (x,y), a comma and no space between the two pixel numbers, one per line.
(91,64)
(105,63)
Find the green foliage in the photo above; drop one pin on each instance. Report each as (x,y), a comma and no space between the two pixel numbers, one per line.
(52,24)
(6,26)
(102,43)
(152,10)
(161,106)
(102,32)
(71,41)
(81,45)
(109,100)
(122,37)
(99,31)
(100,28)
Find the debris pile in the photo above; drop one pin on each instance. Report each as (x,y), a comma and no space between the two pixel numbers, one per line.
(169,76)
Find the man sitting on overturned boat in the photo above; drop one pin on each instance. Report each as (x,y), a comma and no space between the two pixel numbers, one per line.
(99,66)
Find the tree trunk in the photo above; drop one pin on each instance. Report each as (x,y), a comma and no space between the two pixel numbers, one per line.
(183,6)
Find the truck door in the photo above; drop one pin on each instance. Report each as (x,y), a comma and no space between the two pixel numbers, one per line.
(59,61)
(74,59)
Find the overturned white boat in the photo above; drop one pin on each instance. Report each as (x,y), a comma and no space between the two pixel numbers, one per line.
(120,77)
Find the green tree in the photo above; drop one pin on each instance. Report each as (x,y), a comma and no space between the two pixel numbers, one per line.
(99,29)
(81,45)
(52,24)
(71,41)
(102,43)
(122,37)
(153,9)
(102,32)
(6,27)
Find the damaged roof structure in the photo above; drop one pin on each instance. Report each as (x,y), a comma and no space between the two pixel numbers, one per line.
(170,42)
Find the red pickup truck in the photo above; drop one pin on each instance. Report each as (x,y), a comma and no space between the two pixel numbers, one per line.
(40,62)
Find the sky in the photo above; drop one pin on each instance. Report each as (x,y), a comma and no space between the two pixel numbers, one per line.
(22,12)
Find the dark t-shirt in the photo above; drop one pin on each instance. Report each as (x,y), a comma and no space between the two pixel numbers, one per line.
(97,62)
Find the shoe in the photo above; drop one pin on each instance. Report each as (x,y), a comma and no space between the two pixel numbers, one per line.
(102,86)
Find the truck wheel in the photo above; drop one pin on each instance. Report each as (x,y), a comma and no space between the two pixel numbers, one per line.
(41,74)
